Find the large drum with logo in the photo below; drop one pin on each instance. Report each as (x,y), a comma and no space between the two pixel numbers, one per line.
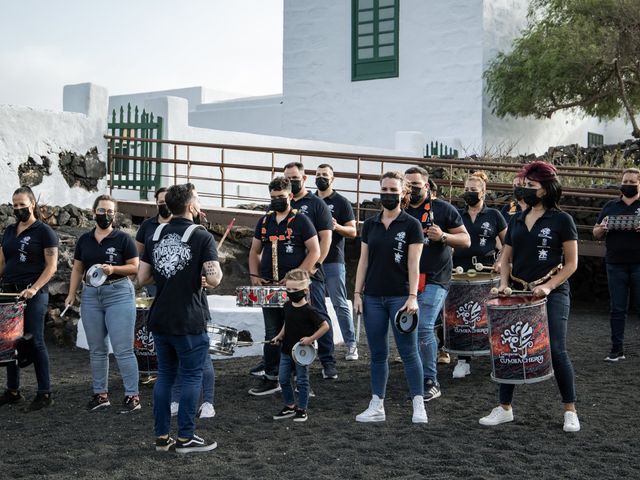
(11,327)
(466,327)
(143,347)
(519,332)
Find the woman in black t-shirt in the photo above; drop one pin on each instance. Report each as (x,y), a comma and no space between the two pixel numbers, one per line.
(538,240)
(108,311)
(28,260)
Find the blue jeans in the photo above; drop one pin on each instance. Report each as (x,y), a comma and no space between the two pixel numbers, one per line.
(287,366)
(335,280)
(208,383)
(624,282)
(430,302)
(34,313)
(558,306)
(273,322)
(317,296)
(378,313)
(109,312)
(183,355)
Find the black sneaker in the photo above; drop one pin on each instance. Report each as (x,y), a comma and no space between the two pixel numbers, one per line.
(301,415)
(258,370)
(194,444)
(431,391)
(98,402)
(164,444)
(286,412)
(130,404)
(329,372)
(614,356)
(265,387)
(11,398)
(41,401)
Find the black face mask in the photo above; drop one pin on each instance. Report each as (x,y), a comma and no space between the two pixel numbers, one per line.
(296,186)
(517,193)
(164,211)
(197,218)
(279,204)
(322,183)
(529,196)
(296,296)
(389,200)
(471,198)
(628,191)
(22,214)
(416,195)
(104,220)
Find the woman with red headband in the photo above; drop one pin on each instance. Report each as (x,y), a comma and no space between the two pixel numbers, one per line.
(541,247)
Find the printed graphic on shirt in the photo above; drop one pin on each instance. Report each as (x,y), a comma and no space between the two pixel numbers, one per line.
(543,249)
(331,208)
(24,243)
(171,255)
(111,253)
(304,210)
(399,246)
(288,247)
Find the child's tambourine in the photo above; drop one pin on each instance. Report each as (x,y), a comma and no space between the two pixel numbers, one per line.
(303,354)
(406,322)
(96,276)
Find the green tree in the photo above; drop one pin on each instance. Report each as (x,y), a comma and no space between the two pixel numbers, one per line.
(574,54)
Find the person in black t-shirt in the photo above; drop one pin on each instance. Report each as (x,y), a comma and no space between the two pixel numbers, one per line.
(344,226)
(540,253)
(318,212)
(386,283)
(174,257)
(622,258)
(108,311)
(485,226)
(443,230)
(28,260)
(148,227)
(517,204)
(301,324)
(296,246)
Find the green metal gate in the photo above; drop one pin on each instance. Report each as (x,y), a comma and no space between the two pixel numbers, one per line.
(129,162)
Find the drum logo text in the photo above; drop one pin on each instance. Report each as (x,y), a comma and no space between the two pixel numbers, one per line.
(469,313)
(518,337)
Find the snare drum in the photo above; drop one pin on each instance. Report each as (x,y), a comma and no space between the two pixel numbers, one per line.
(222,340)
(11,328)
(143,346)
(466,327)
(274,297)
(265,296)
(248,296)
(520,349)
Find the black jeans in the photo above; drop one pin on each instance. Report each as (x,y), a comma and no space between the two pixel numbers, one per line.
(558,306)
(624,282)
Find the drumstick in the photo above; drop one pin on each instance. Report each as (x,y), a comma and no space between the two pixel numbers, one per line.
(9,294)
(224,237)
(458,270)
(65,310)
(509,291)
(249,344)
(267,279)
(480,267)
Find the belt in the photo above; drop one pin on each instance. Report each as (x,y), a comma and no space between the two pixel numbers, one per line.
(107,282)
(540,281)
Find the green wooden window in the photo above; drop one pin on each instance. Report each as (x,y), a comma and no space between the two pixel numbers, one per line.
(594,139)
(374,39)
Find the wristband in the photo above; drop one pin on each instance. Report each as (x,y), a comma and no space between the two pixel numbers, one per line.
(413,294)
(357,293)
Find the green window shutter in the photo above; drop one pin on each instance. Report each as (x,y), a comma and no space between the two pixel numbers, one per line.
(594,139)
(374,39)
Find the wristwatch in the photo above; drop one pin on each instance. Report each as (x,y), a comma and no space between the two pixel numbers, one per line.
(317,265)
(443,238)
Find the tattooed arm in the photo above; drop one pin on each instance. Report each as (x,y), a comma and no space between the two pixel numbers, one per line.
(212,273)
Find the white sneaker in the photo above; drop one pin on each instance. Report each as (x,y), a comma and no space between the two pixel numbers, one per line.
(571,422)
(174,408)
(419,412)
(207,410)
(462,369)
(352,353)
(375,412)
(497,416)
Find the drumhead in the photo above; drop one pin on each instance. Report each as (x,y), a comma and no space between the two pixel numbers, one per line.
(479,278)
(514,302)
(405,322)
(303,354)
(96,276)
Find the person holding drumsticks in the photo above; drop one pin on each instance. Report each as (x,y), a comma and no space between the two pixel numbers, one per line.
(283,240)
(622,258)
(108,310)
(484,225)
(386,283)
(28,260)
(540,253)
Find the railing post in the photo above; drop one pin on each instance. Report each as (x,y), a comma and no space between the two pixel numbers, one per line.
(110,164)
(358,195)
(222,178)
(188,166)
(175,164)
(273,164)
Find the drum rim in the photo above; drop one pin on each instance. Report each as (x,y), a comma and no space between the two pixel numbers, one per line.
(294,356)
(492,278)
(533,303)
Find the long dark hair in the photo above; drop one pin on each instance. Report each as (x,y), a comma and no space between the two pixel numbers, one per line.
(29,193)
(547,175)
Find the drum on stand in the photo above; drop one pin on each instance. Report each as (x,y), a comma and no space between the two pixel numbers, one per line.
(222,340)
(519,333)
(11,327)
(268,296)
(466,326)
(143,346)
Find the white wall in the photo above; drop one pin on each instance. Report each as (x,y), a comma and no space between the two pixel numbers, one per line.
(27,132)
(503,22)
(438,91)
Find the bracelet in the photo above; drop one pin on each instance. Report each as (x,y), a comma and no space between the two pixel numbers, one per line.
(357,293)
(413,295)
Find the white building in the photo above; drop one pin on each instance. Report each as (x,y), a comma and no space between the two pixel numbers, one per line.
(356,72)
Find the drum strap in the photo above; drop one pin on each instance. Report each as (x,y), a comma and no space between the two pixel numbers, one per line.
(274,259)
(540,281)
(158,231)
(427,216)
(185,236)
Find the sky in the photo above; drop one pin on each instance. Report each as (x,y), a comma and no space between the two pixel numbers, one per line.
(137,46)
